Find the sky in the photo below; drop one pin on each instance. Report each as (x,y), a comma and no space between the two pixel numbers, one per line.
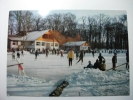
(80,13)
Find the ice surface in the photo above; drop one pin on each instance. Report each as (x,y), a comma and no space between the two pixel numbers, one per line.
(44,73)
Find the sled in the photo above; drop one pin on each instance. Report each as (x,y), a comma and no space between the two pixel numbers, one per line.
(14,64)
(58,91)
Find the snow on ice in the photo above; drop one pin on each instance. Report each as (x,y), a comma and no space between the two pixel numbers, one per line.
(44,74)
(93,82)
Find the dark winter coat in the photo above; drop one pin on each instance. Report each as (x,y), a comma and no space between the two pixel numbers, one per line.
(100,58)
(89,66)
(81,54)
(127,57)
(96,65)
(114,59)
(36,53)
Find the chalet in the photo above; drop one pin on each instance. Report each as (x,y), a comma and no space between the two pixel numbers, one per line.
(77,45)
(35,40)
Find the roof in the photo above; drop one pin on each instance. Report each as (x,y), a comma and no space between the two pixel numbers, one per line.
(47,40)
(16,38)
(78,43)
(32,36)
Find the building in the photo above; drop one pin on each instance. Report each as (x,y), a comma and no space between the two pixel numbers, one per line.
(78,45)
(14,42)
(36,40)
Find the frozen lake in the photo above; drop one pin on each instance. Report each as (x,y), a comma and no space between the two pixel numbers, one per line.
(56,67)
(53,69)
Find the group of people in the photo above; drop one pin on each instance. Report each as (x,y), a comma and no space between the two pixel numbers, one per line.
(15,56)
(17,53)
(100,62)
(70,56)
(47,51)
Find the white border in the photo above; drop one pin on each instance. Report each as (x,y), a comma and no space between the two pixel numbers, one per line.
(7,5)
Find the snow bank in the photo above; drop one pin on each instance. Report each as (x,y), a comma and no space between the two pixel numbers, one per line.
(28,86)
(93,82)
(89,82)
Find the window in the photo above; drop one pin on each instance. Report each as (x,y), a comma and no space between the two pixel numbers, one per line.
(43,43)
(48,45)
(14,43)
(37,43)
(51,44)
(56,44)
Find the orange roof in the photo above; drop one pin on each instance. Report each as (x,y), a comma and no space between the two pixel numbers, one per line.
(47,40)
(85,44)
(49,33)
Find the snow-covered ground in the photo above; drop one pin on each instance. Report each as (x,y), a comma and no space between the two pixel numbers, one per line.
(45,73)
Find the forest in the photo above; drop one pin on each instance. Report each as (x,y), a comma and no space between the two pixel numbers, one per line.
(101,31)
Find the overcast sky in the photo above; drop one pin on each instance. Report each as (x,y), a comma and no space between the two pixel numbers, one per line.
(80,13)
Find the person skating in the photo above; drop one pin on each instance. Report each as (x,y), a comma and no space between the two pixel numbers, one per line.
(81,57)
(89,65)
(114,61)
(61,53)
(77,55)
(58,52)
(127,59)
(70,56)
(47,52)
(13,55)
(18,54)
(36,54)
(93,53)
(20,68)
(22,52)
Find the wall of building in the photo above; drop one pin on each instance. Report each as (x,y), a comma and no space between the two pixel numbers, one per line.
(29,44)
(15,44)
(44,45)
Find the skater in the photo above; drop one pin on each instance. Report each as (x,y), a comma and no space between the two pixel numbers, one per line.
(89,65)
(21,69)
(96,64)
(93,53)
(114,61)
(84,52)
(22,52)
(36,54)
(61,52)
(43,51)
(18,54)
(47,52)
(127,59)
(58,52)
(81,57)
(13,55)
(70,56)
(77,55)
(101,58)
